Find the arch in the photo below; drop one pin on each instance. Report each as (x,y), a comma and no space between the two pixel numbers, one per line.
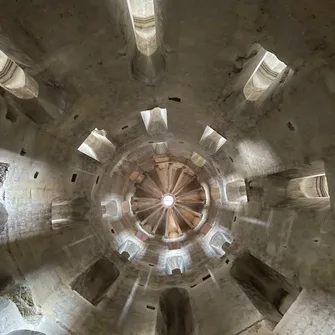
(315,187)
(174,313)
(264,75)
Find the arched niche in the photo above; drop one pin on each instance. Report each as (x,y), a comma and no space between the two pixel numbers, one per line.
(174,315)
(175,265)
(129,249)
(220,242)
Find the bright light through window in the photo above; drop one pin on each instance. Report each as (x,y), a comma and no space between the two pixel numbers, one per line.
(168,200)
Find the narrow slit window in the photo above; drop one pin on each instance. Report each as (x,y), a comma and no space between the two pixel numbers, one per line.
(36,174)
(211,141)
(98,146)
(151,307)
(206,277)
(74,178)
(155,121)
(264,75)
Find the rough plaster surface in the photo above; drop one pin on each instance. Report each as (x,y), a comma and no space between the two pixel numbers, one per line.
(86,51)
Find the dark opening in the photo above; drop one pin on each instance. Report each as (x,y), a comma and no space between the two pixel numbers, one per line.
(194,285)
(124,127)
(11,116)
(206,277)
(176,99)
(181,142)
(23,152)
(151,265)
(176,271)
(36,174)
(151,307)
(227,261)
(231,159)
(234,218)
(113,231)
(218,170)
(125,255)
(174,315)
(97,180)
(94,283)
(74,177)
(290,126)
(75,117)
(151,142)
(141,285)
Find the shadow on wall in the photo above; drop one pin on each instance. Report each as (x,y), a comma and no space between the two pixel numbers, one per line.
(174,316)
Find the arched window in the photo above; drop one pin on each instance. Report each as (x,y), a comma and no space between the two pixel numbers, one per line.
(264,75)
(155,121)
(211,141)
(98,146)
